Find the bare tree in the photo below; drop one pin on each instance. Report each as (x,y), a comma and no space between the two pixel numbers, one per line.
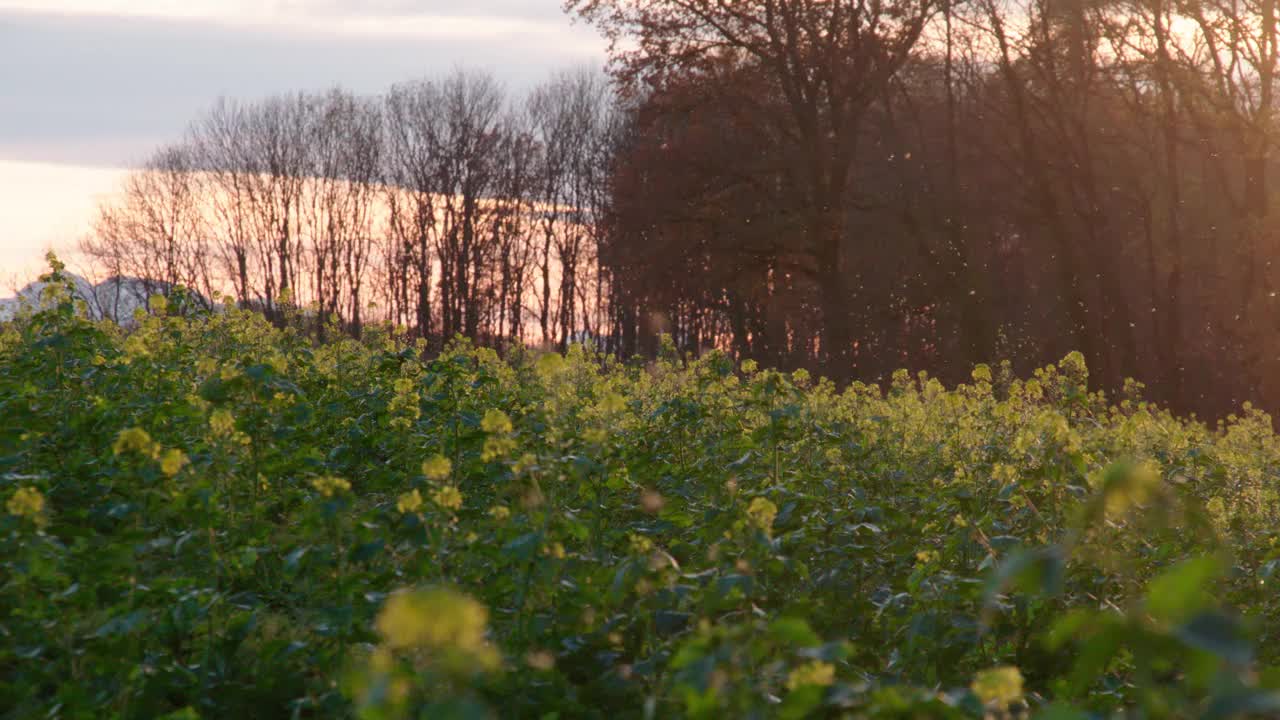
(570,119)
(343,148)
(151,232)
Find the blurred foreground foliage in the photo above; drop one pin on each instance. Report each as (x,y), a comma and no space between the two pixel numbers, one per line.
(208,517)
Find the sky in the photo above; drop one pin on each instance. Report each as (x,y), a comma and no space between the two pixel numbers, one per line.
(89,87)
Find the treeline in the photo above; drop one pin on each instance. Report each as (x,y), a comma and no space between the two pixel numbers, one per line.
(930,184)
(843,186)
(445,206)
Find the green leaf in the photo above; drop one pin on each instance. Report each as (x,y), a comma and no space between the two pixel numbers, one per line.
(1180,592)
(1245,701)
(1057,711)
(367,551)
(1039,571)
(523,547)
(794,632)
(1218,634)
(669,622)
(802,701)
(1095,655)
(121,625)
(1071,625)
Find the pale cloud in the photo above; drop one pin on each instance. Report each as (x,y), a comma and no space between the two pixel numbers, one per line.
(492,20)
(88,84)
(487,17)
(92,88)
(47,207)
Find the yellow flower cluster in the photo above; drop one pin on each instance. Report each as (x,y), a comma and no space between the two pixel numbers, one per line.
(762,513)
(172,461)
(924,557)
(998,686)
(27,503)
(447,498)
(981,374)
(1217,509)
(206,367)
(496,422)
(1125,487)
(437,467)
(439,620)
(330,486)
(136,440)
(499,512)
(1004,474)
(498,446)
(813,673)
(278,362)
(612,403)
(640,545)
(1074,368)
(222,425)
(404,408)
(526,461)
(550,365)
(409,502)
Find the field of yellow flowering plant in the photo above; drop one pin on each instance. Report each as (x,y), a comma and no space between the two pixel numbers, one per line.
(210,517)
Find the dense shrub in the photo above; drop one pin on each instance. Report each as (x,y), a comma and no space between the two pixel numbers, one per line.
(209,517)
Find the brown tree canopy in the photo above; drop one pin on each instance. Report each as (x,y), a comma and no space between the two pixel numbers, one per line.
(819,64)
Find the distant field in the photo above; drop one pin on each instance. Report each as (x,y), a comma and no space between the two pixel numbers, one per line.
(214,518)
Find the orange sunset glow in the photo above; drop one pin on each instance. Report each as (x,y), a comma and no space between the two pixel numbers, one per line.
(46,207)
